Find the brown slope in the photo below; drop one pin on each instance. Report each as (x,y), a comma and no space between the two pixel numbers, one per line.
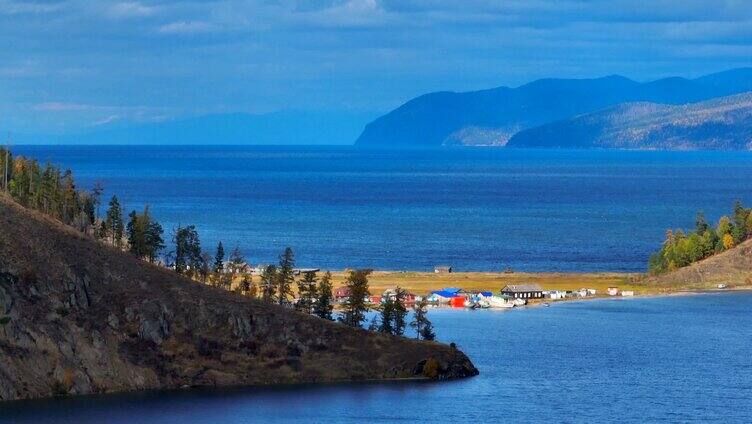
(81,317)
(732,267)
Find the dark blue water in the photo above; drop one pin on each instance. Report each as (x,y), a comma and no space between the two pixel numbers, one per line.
(676,359)
(474,208)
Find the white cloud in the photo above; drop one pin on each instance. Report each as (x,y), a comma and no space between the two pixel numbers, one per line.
(185,27)
(9,7)
(129,10)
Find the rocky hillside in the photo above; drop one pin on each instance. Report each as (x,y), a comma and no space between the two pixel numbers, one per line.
(719,124)
(732,267)
(491,117)
(79,317)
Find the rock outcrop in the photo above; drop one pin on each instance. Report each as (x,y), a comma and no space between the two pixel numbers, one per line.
(80,317)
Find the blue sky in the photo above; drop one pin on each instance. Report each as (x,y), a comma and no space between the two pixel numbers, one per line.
(72,65)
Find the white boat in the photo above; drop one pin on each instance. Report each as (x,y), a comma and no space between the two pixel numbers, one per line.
(499,302)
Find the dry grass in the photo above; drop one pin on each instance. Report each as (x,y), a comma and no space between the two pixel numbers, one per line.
(424,282)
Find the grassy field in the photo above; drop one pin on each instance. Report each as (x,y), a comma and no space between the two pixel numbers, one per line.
(424,282)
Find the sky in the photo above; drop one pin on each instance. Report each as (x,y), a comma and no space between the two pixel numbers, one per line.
(73,65)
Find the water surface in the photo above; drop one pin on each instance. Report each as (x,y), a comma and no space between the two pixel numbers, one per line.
(474,208)
(671,359)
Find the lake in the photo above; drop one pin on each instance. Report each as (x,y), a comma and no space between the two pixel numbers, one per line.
(477,209)
(669,359)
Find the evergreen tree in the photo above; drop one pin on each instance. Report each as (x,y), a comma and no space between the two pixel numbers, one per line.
(323,306)
(307,292)
(187,250)
(219,259)
(421,324)
(387,315)
(285,277)
(144,235)
(268,284)
(114,222)
(236,262)
(400,313)
(700,224)
(355,307)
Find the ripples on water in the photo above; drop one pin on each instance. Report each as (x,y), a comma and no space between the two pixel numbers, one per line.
(671,359)
(474,208)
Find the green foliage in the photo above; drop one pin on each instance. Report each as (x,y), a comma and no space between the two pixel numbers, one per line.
(113,222)
(307,292)
(4,320)
(421,324)
(393,313)
(355,307)
(680,249)
(322,307)
(188,259)
(144,235)
(219,258)
(268,284)
(285,277)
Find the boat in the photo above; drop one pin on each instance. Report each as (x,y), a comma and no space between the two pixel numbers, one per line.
(499,302)
(546,304)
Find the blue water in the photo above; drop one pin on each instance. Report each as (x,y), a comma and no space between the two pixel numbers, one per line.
(474,208)
(676,359)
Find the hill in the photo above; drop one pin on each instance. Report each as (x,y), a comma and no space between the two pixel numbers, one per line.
(79,317)
(732,267)
(719,124)
(492,117)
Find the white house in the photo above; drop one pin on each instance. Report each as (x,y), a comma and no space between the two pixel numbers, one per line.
(613,291)
(627,293)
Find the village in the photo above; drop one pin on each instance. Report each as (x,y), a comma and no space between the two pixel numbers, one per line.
(509,293)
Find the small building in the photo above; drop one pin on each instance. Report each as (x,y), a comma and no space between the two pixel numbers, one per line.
(721,286)
(582,293)
(300,271)
(375,299)
(627,293)
(444,295)
(442,269)
(341,294)
(523,291)
(613,291)
(555,294)
(592,292)
(259,269)
(391,293)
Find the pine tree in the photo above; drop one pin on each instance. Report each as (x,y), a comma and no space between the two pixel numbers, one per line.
(187,250)
(307,292)
(323,306)
(420,323)
(268,284)
(355,307)
(285,277)
(219,259)
(399,312)
(114,222)
(387,315)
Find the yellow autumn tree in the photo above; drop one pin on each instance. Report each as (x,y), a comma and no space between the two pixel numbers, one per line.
(728,241)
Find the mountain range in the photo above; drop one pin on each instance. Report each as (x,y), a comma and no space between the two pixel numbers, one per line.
(723,123)
(494,116)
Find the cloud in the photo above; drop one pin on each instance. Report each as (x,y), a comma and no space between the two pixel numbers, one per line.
(185,27)
(9,7)
(129,10)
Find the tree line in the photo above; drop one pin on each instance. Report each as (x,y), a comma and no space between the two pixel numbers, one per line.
(681,248)
(53,192)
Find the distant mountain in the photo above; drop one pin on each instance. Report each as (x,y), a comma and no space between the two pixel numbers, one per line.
(723,123)
(492,117)
(287,127)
